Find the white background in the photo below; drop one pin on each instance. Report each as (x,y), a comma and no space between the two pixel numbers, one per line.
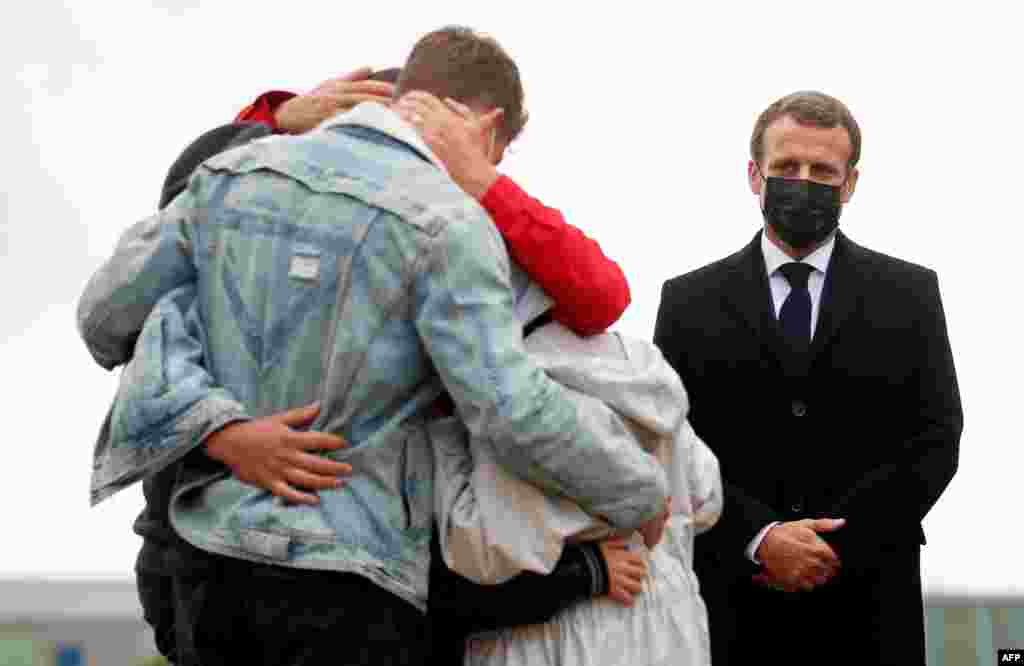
(641,117)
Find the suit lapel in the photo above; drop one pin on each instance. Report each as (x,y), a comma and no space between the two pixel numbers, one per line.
(841,293)
(749,296)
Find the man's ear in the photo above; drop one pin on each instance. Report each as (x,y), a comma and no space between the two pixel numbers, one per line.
(491,123)
(491,118)
(754,176)
(851,184)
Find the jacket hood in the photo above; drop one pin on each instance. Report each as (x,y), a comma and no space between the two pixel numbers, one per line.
(631,376)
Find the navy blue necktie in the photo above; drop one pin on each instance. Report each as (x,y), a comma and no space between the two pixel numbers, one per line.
(795,315)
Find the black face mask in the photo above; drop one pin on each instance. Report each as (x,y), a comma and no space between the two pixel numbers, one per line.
(803,213)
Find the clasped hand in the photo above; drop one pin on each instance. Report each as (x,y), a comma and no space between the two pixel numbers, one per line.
(795,558)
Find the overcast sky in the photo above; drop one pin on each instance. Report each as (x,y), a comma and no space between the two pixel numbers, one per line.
(640,121)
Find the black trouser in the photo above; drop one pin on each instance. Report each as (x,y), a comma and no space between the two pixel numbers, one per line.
(174,590)
(157,597)
(863,616)
(239,612)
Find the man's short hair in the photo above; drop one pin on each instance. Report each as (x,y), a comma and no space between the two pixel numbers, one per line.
(389,75)
(470,68)
(808,107)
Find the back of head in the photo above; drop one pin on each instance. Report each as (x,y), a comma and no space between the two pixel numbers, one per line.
(389,75)
(209,144)
(470,68)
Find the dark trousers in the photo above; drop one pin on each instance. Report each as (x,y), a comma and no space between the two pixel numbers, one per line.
(165,596)
(868,616)
(156,595)
(260,614)
(178,584)
(230,611)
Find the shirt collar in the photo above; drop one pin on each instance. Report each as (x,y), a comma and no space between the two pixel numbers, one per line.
(376,116)
(774,257)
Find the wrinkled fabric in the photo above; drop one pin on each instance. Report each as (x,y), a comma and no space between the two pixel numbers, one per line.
(493,525)
(628,396)
(165,399)
(344,266)
(666,626)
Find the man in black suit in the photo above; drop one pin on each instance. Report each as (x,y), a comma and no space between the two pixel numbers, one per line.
(821,375)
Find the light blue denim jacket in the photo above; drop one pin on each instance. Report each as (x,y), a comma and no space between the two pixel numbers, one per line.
(343,266)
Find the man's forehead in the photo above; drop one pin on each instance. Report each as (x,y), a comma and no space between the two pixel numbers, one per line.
(789,137)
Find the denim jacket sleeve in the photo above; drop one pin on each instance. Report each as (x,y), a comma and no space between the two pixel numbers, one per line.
(166,404)
(152,258)
(466,321)
(139,307)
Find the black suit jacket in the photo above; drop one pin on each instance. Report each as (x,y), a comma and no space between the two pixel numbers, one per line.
(865,426)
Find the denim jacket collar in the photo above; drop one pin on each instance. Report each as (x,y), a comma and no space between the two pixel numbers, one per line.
(376,116)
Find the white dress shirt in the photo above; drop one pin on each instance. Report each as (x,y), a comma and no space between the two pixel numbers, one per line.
(773,259)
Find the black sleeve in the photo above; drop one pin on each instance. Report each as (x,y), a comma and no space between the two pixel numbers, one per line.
(465,607)
(206,146)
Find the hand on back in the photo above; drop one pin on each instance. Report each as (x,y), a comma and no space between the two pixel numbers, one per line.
(627,569)
(270,454)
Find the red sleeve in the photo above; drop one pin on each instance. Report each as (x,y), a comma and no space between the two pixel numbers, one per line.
(262,110)
(589,289)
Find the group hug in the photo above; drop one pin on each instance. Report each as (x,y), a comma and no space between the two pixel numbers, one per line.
(371,391)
